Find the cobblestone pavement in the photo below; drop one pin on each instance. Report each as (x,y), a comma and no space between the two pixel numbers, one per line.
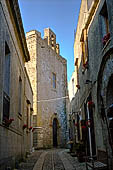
(30,161)
(54,159)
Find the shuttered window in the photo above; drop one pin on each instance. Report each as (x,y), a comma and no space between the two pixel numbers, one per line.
(104,20)
(20,97)
(84,47)
(6,83)
(104,24)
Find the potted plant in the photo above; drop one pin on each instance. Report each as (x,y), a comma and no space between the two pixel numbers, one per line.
(78,86)
(24,126)
(7,121)
(30,128)
(91,104)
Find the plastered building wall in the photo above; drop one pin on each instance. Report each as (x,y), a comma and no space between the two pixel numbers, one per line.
(12,147)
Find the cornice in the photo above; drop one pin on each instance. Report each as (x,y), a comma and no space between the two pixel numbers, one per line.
(14,12)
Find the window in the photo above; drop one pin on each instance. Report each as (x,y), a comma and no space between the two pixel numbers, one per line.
(34,120)
(104,24)
(73,86)
(28,123)
(104,20)
(54,80)
(6,83)
(27,113)
(77,73)
(84,46)
(20,96)
(7,69)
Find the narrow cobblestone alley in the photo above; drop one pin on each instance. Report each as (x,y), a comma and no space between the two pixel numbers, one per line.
(55,159)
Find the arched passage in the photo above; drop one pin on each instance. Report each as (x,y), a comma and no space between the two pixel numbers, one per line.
(109,96)
(109,104)
(105,100)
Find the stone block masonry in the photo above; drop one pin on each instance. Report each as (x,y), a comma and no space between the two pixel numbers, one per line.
(48,76)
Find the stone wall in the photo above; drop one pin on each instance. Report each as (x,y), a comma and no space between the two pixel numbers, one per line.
(98,73)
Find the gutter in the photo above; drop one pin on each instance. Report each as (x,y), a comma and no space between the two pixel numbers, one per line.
(14,12)
(91,13)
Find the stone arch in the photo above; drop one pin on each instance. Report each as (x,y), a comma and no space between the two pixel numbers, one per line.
(104,88)
(52,118)
(105,72)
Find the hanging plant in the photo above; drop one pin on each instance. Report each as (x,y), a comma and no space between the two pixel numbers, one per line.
(8,121)
(24,126)
(83,127)
(30,128)
(91,104)
(78,86)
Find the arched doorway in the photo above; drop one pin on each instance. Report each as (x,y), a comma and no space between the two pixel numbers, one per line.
(55,128)
(105,103)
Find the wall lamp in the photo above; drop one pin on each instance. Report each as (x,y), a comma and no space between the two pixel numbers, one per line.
(88,82)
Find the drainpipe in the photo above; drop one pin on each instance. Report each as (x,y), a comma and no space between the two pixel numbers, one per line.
(89,130)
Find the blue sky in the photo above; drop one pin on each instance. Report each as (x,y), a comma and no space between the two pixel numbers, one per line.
(60,15)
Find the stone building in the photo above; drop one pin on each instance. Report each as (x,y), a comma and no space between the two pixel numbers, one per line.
(72,86)
(93,49)
(16,96)
(48,75)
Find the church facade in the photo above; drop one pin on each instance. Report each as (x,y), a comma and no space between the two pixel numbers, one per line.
(48,76)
